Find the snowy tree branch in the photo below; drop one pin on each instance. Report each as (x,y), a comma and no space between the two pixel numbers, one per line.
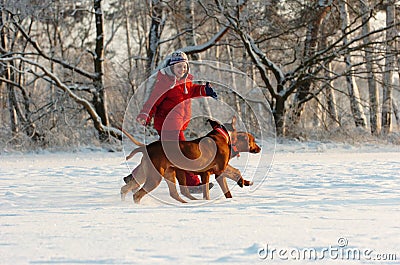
(46,56)
(85,103)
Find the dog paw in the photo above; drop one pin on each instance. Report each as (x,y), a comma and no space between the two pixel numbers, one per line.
(240,183)
(248,183)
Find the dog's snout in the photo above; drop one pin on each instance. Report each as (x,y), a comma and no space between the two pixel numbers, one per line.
(255,148)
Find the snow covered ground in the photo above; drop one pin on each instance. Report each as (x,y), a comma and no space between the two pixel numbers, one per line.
(321,203)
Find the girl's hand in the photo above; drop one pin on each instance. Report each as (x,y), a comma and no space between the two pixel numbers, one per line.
(143,119)
(210,91)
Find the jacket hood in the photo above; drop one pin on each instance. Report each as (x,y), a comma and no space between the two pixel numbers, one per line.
(168,71)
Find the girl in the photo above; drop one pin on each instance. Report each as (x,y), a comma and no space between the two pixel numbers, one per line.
(169,102)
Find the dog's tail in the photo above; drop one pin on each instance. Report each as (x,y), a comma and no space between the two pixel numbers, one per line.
(135,151)
(131,137)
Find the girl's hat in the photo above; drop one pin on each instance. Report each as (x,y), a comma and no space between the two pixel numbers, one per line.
(177,57)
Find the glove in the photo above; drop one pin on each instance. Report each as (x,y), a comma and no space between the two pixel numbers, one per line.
(143,119)
(210,91)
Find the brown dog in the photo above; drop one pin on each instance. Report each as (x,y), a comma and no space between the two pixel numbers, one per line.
(200,152)
(230,172)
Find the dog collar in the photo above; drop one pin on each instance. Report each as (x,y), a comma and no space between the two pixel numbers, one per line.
(224,134)
(234,151)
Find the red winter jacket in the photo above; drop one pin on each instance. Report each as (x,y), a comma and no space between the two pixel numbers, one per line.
(170,101)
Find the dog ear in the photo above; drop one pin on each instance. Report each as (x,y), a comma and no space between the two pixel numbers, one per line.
(213,123)
(234,122)
(233,132)
(231,127)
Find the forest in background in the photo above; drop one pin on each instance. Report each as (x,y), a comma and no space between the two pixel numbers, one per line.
(329,69)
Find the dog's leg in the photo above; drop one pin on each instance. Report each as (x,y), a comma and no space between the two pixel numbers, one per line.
(185,192)
(224,186)
(169,176)
(127,178)
(124,190)
(135,172)
(136,179)
(235,175)
(150,184)
(180,175)
(173,192)
(132,185)
(205,179)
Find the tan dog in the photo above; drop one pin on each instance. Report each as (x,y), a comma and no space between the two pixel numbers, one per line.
(155,164)
(230,172)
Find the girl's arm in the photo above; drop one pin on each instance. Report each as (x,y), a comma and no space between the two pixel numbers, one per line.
(155,98)
(203,91)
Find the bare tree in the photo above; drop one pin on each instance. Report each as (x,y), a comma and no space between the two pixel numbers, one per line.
(98,93)
(289,63)
(388,81)
(67,65)
(158,16)
(354,93)
(330,94)
(369,58)
(396,112)
(6,72)
(331,98)
(312,38)
(72,70)
(190,37)
(20,113)
(99,96)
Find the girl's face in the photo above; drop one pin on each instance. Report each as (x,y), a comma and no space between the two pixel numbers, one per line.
(180,69)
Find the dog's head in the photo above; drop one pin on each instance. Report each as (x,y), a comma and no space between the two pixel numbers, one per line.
(245,142)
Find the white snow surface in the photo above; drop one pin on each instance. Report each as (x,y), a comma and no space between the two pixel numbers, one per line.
(65,208)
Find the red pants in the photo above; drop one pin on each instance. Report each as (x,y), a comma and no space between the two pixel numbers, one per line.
(191,179)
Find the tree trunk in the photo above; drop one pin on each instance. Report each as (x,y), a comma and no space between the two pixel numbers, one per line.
(6,72)
(279,116)
(388,81)
(128,45)
(369,58)
(310,47)
(11,106)
(190,36)
(156,10)
(100,97)
(396,112)
(3,86)
(333,117)
(236,98)
(331,99)
(354,94)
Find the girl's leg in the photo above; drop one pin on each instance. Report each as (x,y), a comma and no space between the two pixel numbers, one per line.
(192,179)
